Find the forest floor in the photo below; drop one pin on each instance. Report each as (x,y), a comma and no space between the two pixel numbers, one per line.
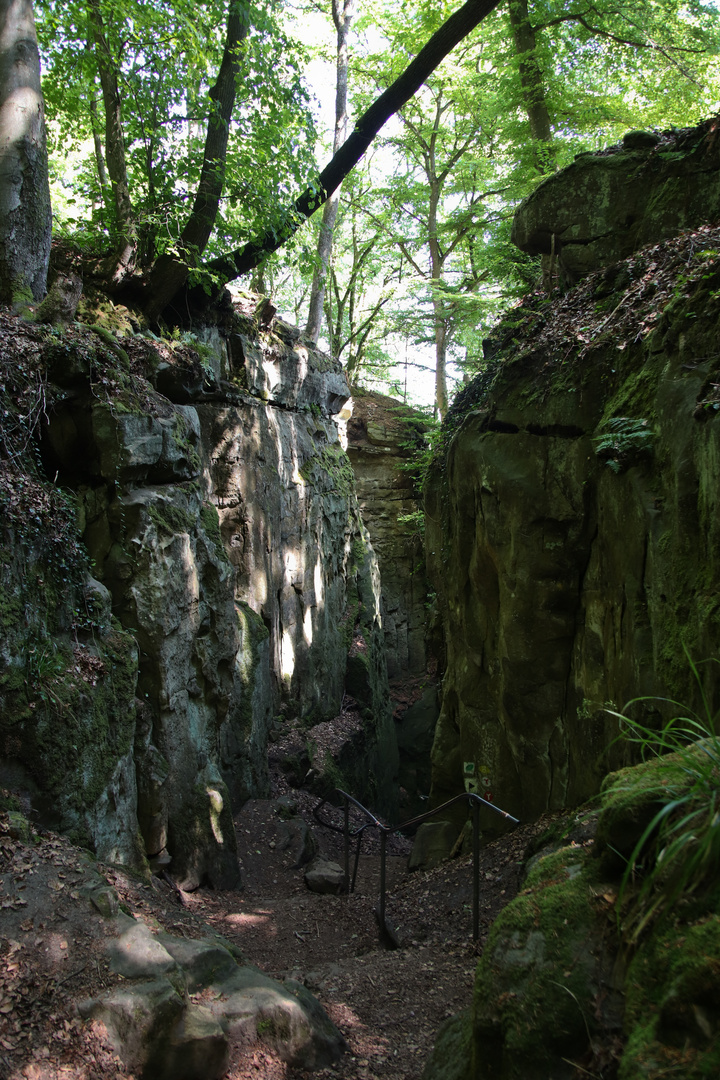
(388,1004)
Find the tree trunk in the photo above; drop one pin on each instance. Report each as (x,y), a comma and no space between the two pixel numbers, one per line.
(342,17)
(25,214)
(123,260)
(105,189)
(436,273)
(441,389)
(170,271)
(532,83)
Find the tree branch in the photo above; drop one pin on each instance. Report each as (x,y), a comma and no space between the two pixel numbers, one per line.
(459,25)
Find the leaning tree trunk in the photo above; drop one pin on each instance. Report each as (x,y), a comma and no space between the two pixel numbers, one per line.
(25,214)
(242,260)
(343,12)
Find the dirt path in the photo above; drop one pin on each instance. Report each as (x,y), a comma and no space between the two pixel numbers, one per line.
(388,1004)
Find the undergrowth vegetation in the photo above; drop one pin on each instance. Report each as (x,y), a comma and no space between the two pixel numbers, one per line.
(677,856)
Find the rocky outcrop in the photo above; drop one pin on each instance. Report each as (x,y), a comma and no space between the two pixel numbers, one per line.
(235,577)
(572,529)
(172,1006)
(159,1031)
(606,205)
(293,531)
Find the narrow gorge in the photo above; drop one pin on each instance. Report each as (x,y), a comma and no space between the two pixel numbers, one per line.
(210,543)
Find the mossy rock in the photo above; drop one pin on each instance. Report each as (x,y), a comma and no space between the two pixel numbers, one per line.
(673,1005)
(451,1057)
(544,958)
(211,524)
(201,839)
(330,471)
(631,798)
(358,681)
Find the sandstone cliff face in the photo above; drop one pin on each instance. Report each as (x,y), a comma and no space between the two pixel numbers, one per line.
(222,523)
(380,435)
(572,527)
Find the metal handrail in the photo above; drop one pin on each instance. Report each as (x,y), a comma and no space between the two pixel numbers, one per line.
(373,822)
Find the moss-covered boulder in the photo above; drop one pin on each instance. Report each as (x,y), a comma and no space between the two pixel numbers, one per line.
(544,970)
(672,1016)
(563,988)
(451,1057)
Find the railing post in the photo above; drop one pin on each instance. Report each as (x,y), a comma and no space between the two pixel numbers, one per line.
(383,841)
(374,822)
(476,869)
(346,838)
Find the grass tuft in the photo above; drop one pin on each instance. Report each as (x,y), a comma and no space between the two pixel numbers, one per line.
(677,856)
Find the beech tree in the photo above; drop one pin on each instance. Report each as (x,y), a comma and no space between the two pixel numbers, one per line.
(206,132)
(199,122)
(25,216)
(243,259)
(175,268)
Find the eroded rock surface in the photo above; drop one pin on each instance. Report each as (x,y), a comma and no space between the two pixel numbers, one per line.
(382,434)
(233,582)
(158,1032)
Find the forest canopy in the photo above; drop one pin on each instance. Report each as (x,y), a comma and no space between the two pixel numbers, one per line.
(183,147)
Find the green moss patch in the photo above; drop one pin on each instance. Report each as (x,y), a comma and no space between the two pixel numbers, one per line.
(672,1011)
(211,525)
(330,470)
(170,519)
(540,961)
(253,632)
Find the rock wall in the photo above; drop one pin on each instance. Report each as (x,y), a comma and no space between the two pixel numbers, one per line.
(218,509)
(383,436)
(573,528)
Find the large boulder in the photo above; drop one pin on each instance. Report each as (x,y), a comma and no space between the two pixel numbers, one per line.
(606,205)
(162,1035)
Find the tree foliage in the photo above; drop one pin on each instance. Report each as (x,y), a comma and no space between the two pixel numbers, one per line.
(166,61)
(488,99)
(537,83)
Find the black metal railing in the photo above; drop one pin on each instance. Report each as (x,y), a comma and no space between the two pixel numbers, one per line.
(373,822)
